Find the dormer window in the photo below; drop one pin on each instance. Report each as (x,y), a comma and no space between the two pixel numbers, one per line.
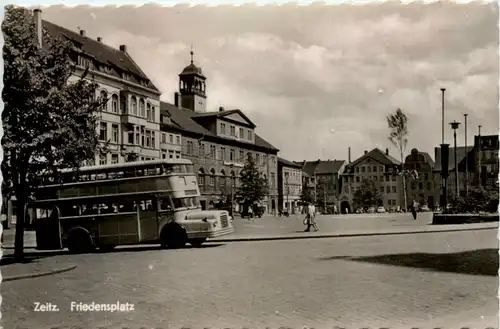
(84,62)
(223,128)
(250,135)
(233,131)
(167,120)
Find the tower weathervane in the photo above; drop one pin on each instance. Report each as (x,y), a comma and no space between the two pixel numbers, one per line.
(192,54)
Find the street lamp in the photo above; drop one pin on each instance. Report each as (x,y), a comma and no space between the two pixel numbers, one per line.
(454,126)
(466,160)
(445,150)
(287,192)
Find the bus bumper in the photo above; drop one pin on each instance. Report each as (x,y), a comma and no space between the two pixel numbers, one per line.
(211,234)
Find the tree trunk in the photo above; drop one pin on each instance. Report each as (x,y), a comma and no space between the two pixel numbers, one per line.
(404,192)
(19,238)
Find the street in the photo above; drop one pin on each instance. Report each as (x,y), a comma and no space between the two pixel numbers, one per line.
(379,281)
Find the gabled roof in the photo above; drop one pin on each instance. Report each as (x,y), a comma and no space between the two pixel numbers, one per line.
(287,163)
(102,53)
(461,152)
(377,155)
(221,114)
(428,158)
(185,120)
(322,167)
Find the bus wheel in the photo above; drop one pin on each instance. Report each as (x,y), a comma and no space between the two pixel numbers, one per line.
(80,241)
(173,236)
(197,242)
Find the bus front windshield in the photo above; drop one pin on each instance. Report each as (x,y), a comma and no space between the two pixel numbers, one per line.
(185,202)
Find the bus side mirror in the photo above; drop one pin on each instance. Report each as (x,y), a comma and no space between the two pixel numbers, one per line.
(204,220)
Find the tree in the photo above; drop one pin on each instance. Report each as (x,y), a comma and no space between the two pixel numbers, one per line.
(398,124)
(253,186)
(367,195)
(307,194)
(48,123)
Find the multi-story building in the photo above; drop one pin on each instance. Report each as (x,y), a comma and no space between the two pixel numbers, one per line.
(377,166)
(217,142)
(421,188)
(325,178)
(130,120)
(289,185)
(482,166)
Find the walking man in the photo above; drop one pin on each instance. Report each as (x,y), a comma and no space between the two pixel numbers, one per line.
(310,220)
(414,209)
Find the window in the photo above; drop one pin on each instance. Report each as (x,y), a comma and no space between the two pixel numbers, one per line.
(164,156)
(148,138)
(241,135)
(357,169)
(123,105)
(213,150)
(143,136)
(393,178)
(362,169)
(163,137)
(233,131)
(394,189)
(102,159)
(381,178)
(114,103)
(148,112)
(381,168)
(368,169)
(250,138)
(141,107)
(212,177)
(222,178)
(242,156)
(103,131)
(257,159)
(114,158)
(426,176)
(381,189)
(153,115)
(153,139)
(104,100)
(388,189)
(272,180)
(201,177)
(114,133)
(178,140)
(134,105)
(374,168)
(170,154)
(375,178)
(189,150)
(232,155)
(170,138)
(177,154)
(130,137)
(223,128)
(223,153)
(357,179)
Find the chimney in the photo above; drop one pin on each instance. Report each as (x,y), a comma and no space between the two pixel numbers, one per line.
(99,39)
(82,33)
(37,15)
(386,151)
(176,99)
(349,154)
(221,109)
(123,48)
(366,152)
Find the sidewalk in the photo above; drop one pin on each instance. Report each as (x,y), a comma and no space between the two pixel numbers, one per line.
(33,267)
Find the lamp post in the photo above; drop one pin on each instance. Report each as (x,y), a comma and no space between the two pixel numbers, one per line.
(442,115)
(466,160)
(287,192)
(454,126)
(444,156)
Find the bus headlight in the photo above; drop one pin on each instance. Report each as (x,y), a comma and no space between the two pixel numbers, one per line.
(214,224)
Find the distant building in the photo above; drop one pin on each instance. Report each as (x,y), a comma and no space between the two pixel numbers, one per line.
(289,185)
(377,166)
(217,142)
(482,165)
(422,189)
(324,177)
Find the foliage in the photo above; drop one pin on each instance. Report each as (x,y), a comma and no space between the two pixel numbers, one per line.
(325,190)
(307,194)
(483,199)
(253,186)
(398,125)
(48,123)
(367,194)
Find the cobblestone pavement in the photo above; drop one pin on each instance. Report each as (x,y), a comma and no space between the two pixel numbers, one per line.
(381,281)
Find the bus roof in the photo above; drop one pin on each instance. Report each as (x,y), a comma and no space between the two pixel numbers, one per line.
(135,164)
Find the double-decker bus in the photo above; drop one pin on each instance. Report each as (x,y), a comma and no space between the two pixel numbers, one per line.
(121,204)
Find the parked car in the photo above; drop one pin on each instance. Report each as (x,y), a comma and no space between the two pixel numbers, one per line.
(371,210)
(381,210)
(424,208)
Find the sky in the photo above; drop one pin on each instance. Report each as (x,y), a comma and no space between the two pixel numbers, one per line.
(317,79)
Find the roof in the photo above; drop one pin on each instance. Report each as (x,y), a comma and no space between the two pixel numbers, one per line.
(183,119)
(101,53)
(428,158)
(377,155)
(192,69)
(461,152)
(322,167)
(220,114)
(287,163)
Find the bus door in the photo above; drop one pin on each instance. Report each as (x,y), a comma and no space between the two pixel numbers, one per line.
(47,227)
(148,219)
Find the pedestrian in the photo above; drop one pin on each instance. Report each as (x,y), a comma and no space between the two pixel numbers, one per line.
(310,220)
(414,210)
(313,218)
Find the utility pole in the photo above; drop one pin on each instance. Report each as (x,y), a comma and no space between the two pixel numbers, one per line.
(442,115)
(466,160)
(479,157)
(454,126)
(287,192)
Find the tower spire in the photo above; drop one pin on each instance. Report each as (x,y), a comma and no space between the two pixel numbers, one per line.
(192,53)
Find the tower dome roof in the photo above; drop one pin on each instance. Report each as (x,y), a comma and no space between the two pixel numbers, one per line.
(192,69)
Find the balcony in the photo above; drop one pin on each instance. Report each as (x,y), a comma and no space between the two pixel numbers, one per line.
(126,148)
(234,164)
(128,118)
(168,146)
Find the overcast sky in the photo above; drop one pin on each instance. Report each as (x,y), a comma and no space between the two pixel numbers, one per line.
(318,79)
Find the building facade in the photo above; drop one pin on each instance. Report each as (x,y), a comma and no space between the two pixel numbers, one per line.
(217,142)
(130,120)
(377,166)
(324,176)
(422,188)
(289,186)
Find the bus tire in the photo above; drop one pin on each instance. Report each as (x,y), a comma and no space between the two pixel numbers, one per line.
(107,247)
(173,236)
(197,242)
(80,241)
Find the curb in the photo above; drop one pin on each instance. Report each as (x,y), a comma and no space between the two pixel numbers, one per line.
(342,235)
(36,275)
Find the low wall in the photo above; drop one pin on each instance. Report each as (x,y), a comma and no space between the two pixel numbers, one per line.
(442,219)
